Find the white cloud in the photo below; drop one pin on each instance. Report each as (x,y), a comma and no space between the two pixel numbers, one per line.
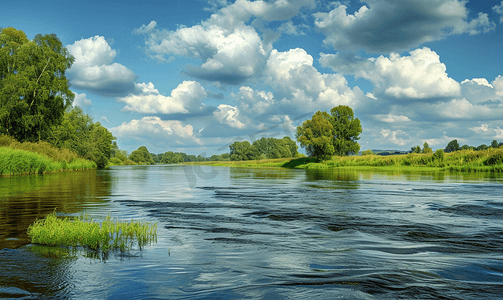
(229,115)
(392,118)
(394,137)
(384,26)
(498,85)
(95,71)
(499,10)
(82,101)
(301,85)
(479,81)
(171,131)
(185,98)
(418,76)
(230,50)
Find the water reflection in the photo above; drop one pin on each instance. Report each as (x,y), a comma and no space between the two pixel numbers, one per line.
(27,198)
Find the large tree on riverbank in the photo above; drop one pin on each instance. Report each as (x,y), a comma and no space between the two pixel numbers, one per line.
(34,92)
(330,134)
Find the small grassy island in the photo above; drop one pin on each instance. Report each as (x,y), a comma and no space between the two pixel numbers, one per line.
(84,232)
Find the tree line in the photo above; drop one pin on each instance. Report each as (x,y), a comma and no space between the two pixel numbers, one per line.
(36,100)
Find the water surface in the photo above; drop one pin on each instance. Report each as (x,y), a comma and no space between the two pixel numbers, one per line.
(232,233)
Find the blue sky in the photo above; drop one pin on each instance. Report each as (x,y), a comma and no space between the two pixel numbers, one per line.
(196,75)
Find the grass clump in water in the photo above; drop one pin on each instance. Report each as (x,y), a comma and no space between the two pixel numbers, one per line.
(83,231)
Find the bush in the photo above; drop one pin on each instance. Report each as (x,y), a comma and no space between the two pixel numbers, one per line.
(439,155)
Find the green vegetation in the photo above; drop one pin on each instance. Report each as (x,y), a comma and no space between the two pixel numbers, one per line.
(330,134)
(83,231)
(489,160)
(34,92)
(265,148)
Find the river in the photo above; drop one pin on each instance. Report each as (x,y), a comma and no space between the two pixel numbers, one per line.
(231,233)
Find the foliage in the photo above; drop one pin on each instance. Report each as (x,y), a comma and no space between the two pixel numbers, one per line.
(109,235)
(172,158)
(316,135)
(34,91)
(89,140)
(141,156)
(346,130)
(272,148)
(367,152)
(243,151)
(427,149)
(452,146)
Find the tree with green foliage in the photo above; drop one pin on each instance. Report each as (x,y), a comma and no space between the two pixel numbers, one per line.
(141,156)
(243,151)
(89,140)
(367,152)
(316,135)
(452,146)
(34,92)
(427,149)
(494,144)
(416,149)
(292,145)
(271,148)
(172,158)
(346,130)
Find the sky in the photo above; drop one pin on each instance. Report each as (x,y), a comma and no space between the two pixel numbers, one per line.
(194,76)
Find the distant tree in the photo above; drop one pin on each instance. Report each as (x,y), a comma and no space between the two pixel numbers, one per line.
(426,148)
(481,147)
(452,146)
(172,158)
(243,151)
(271,148)
(466,147)
(34,92)
(367,152)
(416,149)
(141,156)
(292,145)
(495,144)
(439,155)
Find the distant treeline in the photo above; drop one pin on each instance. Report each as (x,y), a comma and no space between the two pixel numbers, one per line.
(265,148)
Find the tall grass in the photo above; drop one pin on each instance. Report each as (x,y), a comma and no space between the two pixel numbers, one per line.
(83,231)
(20,162)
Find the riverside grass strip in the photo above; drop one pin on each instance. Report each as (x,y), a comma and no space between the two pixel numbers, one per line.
(489,160)
(83,231)
(21,162)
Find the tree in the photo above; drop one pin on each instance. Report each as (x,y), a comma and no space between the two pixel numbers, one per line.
(272,148)
(243,151)
(416,149)
(367,152)
(141,156)
(426,148)
(316,135)
(452,146)
(34,92)
(495,144)
(346,130)
(89,140)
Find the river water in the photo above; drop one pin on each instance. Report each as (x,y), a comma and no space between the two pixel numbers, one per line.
(231,233)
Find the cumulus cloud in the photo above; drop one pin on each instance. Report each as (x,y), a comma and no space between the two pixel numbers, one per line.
(154,128)
(499,10)
(95,71)
(300,85)
(392,118)
(418,76)
(185,98)
(82,101)
(384,26)
(230,50)
(227,114)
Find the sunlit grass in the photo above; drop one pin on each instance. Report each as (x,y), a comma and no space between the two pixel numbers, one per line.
(19,162)
(489,160)
(83,231)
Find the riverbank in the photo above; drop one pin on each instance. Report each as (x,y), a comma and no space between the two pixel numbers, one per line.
(22,162)
(490,160)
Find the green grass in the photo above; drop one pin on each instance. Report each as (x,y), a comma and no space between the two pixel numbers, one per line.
(490,160)
(21,162)
(83,231)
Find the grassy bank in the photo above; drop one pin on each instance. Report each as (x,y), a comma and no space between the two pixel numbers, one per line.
(37,158)
(109,235)
(21,162)
(490,160)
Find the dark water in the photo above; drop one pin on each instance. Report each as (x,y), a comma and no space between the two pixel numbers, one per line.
(271,234)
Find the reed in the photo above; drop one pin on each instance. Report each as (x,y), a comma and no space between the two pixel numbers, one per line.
(84,232)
